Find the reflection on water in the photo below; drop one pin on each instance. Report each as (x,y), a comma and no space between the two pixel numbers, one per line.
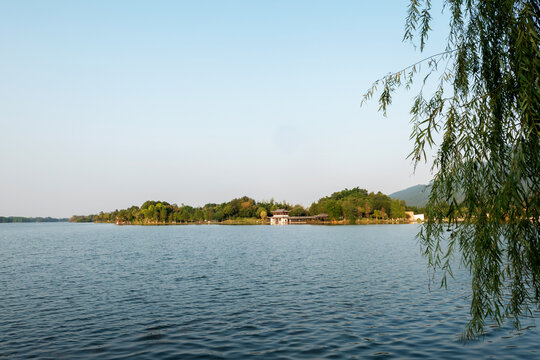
(105,291)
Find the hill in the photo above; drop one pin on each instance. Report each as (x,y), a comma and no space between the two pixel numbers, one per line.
(414,196)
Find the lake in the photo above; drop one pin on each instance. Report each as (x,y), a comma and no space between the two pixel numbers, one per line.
(211,291)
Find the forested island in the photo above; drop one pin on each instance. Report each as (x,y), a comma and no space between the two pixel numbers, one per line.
(354,206)
(20,219)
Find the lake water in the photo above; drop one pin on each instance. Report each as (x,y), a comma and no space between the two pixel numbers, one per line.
(105,291)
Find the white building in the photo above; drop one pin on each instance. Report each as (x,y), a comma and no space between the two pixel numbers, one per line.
(279,217)
(411,216)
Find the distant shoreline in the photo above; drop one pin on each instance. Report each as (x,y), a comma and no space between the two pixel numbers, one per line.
(262,222)
(348,206)
(22,219)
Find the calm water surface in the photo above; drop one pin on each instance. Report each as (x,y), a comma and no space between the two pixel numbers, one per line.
(105,291)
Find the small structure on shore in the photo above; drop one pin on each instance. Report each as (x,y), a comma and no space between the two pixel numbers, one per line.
(281,217)
(411,216)
(418,217)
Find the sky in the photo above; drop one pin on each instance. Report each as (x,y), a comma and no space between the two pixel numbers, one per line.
(107,104)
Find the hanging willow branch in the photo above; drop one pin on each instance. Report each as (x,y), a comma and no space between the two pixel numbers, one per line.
(486,108)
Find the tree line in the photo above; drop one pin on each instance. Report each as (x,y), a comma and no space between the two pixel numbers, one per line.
(20,219)
(358,203)
(348,205)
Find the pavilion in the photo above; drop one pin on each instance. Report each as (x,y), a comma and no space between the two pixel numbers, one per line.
(281,217)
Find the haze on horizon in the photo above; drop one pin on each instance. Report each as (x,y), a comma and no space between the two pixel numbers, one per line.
(104,105)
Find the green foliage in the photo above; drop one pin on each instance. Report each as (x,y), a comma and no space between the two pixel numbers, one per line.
(353,204)
(350,210)
(347,204)
(486,108)
(397,209)
(83,218)
(298,210)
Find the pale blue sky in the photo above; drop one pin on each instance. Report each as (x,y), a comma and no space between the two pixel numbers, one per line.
(106,104)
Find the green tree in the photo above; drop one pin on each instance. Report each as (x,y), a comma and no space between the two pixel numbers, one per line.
(219,215)
(208,211)
(199,214)
(298,210)
(486,108)
(229,210)
(333,209)
(315,209)
(350,210)
(157,211)
(148,212)
(163,214)
(248,210)
(397,210)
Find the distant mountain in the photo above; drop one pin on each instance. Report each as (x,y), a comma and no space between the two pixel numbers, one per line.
(414,196)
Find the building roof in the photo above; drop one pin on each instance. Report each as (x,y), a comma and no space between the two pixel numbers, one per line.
(280,210)
(314,217)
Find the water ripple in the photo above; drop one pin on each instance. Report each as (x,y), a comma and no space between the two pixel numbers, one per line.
(226,292)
